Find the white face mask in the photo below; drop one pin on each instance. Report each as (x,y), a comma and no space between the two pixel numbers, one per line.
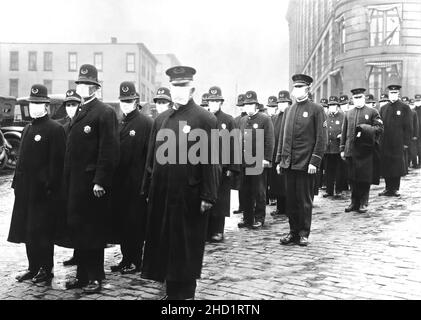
(412,106)
(37,110)
(393,96)
(180,95)
(161,107)
(271,111)
(71,111)
(282,106)
(418,103)
(84,90)
(214,106)
(359,103)
(127,107)
(345,107)
(299,92)
(333,108)
(250,109)
(383,103)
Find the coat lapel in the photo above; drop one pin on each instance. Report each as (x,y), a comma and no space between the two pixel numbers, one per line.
(85,109)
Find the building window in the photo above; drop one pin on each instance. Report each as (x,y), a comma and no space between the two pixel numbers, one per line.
(342,35)
(153,78)
(49,85)
(72,85)
(72,61)
(319,62)
(143,93)
(384,26)
(48,61)
(32,61)
(14,87)
(381,74)
(14,61)
(326,53)
(98,60)
(130,63)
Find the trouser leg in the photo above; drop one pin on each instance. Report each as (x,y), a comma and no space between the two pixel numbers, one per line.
(91,266)
(331,167)
(46,257)
(260,197)
(364,192)
(32,255)
(280,204)
(355,196)
(126,252)
(249,201)
(305,194)
(181,290)
(291,202)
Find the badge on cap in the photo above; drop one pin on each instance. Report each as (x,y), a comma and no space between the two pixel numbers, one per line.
(35,90)
(186,129)
(255,126)
(84,71)
(87,129)
(305,114)
(125,89)
(366,117)
(223,126)
(37,138)
(178,70)
(70,93)
(213,91)
(161,92)
(398,112)
(249,95)
(132,133)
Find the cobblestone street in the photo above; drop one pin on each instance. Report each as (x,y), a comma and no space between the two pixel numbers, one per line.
(350,256)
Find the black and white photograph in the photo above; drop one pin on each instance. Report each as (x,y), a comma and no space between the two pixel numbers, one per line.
(240,152)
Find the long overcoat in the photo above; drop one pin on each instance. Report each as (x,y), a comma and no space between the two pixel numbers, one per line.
(277,183)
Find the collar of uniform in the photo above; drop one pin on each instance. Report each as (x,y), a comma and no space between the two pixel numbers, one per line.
(40,120)
(302,101)
(243,114)
(89,100)
(254,115)
(182,108)
(131,115)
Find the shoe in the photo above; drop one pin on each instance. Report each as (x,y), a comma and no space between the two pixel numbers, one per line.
(243,224)
(352,207)
(27,275)
(395,194)
(303,242)
(385,193)
(257,225)
(272,202)
(164,298)
(75,284)
(363,208)
(94,286)
(218,237)
(42,276)
(130,269)
(275,213)
(289,239)
(118,267)
(327,195)
(71,262)
(238,211)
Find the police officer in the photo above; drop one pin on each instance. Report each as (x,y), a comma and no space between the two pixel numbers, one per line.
(129,208)
(361,162)
(221,209)
(343,169)
(181,193)
(71,103)
(254,186)
(344,103)
(271,111)
(396,139)
(302,144)
(417,109)
(384,100)
(414,135)
(277,185)
(333,158)
(37,183)
(162,100)
(370,101)
(92,155)
(238,180)
(205,103)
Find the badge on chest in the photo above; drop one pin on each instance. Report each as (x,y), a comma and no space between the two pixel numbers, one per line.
(37,138)
(223,126)
(87,129)
(398,112)
(366,117)
(132,133)
(186,129)
(305,114)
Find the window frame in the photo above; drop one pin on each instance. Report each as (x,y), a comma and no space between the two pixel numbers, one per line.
(45,59)
(69,61)
(35,66)
(14,53)
(130,54)
(100,54)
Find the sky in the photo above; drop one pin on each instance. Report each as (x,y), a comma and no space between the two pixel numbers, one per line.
(238,45)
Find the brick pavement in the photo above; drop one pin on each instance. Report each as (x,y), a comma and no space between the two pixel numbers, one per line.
(351,256)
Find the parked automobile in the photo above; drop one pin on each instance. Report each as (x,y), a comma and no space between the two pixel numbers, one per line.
(5,148)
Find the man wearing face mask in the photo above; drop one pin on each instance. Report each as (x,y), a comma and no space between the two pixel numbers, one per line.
(277,184)
(384,100)
(362,170)
(344,103)
(271,111)
(417,109)
(180,194)
(37,185)
(302,143)
(254,186)
(92,154)
(333,158)
(205,102)
(162,100)
(128,206)
(370,101)
(237,183)
(221,209)
(396,139)
(414,135)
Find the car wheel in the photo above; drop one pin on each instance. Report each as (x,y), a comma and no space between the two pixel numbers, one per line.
(13,153)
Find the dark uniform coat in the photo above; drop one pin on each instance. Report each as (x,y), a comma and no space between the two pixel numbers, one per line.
(237,180)
(354,118)
(92,155)
(176,229)
(334,126)
(37,183)
(129,208)
(303,136)
(276,182)
(397,133)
